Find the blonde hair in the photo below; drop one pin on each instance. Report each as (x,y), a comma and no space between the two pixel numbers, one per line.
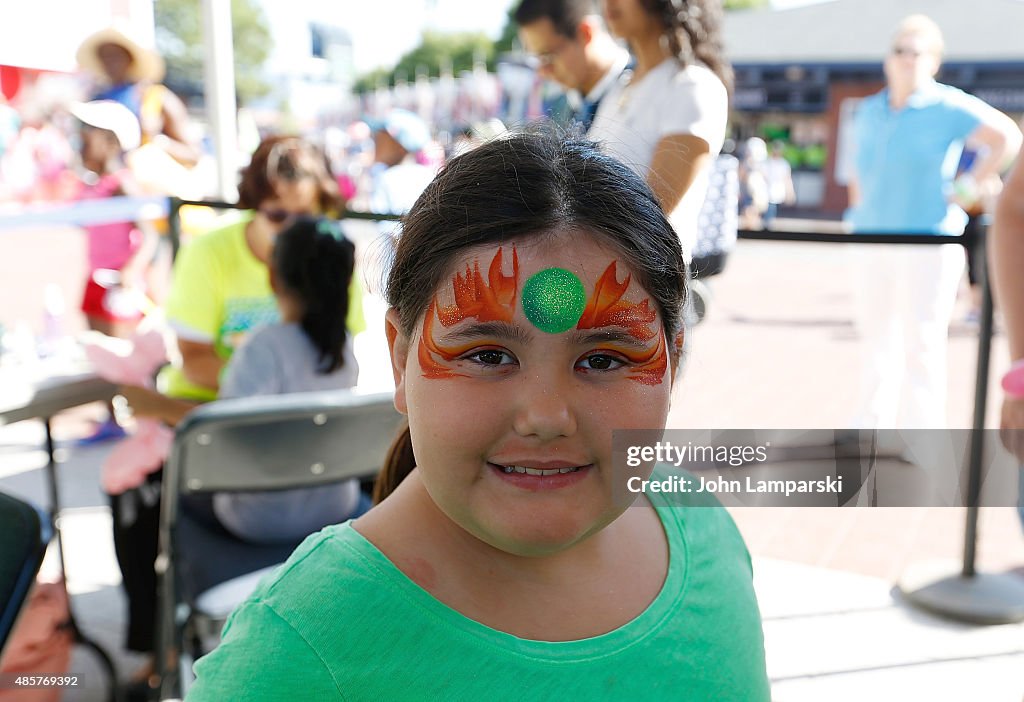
(924,26)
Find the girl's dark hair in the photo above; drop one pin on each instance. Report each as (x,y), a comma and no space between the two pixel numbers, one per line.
(287,158)
(314,261)
(529,184)
(693,29)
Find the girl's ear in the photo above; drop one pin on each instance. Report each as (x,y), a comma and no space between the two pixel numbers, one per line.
(678,346)
(398,345)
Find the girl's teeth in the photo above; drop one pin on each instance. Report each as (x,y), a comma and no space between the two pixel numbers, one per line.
(537,471)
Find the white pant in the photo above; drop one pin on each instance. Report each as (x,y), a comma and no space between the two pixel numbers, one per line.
(905,295)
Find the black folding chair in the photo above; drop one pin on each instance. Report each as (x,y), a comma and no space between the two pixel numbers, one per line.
(259,444)
(25,532)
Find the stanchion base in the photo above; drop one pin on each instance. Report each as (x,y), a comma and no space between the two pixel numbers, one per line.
(985,598)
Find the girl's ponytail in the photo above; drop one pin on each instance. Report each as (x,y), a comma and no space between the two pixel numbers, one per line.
(398,463)
(315,262)
(325,294)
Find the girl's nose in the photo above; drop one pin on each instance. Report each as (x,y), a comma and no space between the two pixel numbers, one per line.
(545,410)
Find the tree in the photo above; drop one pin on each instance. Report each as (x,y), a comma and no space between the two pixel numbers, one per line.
(744,4)
(436,50)
(509,33)
(179,38)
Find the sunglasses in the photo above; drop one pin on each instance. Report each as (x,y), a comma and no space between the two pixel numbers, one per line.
(906,51)
(277,215)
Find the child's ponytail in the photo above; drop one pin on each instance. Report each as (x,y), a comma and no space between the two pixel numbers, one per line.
(398,463)
(315,262)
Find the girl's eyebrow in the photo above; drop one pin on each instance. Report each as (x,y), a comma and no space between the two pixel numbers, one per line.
(504,331)
(617,335)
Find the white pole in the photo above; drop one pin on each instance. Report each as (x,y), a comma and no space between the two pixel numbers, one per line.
(220,94)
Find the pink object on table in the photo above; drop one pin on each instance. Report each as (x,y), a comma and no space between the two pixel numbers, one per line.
(131,361)
(137,456)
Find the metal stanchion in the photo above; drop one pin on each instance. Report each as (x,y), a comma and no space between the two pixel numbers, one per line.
(174,224)
(970,596)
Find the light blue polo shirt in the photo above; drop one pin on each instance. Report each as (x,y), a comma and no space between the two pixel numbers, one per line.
(906,160)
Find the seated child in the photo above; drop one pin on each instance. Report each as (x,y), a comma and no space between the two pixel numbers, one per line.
(310,349)
(537,297)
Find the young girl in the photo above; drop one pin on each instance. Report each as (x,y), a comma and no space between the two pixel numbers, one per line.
(119,253)
(536,303)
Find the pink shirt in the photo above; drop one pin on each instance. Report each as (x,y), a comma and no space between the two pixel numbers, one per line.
(112,244)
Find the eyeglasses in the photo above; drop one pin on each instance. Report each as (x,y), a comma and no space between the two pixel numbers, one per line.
(547,58)
(906,51)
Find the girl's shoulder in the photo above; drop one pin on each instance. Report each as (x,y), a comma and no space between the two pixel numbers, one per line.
(696,76)
(336,564)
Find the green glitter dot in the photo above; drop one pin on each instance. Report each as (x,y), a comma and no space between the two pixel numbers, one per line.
(554,299)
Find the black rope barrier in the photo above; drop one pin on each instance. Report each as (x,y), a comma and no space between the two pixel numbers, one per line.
(174,205)
(970,596)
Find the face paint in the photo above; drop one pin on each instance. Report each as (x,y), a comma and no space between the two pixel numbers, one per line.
(492,301)
(607,308)
(553,300)
(486,302)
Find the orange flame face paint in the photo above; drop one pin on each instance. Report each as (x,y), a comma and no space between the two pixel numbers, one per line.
(494,300)
(606,308)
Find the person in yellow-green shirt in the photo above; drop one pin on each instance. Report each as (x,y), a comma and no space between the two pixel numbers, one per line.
(221,287)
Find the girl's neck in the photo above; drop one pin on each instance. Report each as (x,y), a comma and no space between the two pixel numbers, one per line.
(532,597)
(101,167)
(290,309)
(649,52)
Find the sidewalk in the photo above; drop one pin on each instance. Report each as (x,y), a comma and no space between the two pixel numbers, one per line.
(776,351)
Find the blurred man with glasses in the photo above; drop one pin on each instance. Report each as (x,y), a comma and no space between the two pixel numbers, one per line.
(572,47)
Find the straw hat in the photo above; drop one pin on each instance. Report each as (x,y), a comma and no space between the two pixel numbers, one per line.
(146,63)
(113,116)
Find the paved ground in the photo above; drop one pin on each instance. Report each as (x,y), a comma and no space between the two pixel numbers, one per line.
(776,351)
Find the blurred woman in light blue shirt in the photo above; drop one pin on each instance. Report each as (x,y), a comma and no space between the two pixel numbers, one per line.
(909,138)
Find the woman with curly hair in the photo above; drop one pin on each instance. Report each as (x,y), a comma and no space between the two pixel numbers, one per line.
(667,117)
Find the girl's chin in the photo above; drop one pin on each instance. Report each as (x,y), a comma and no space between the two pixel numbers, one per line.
(534,535)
